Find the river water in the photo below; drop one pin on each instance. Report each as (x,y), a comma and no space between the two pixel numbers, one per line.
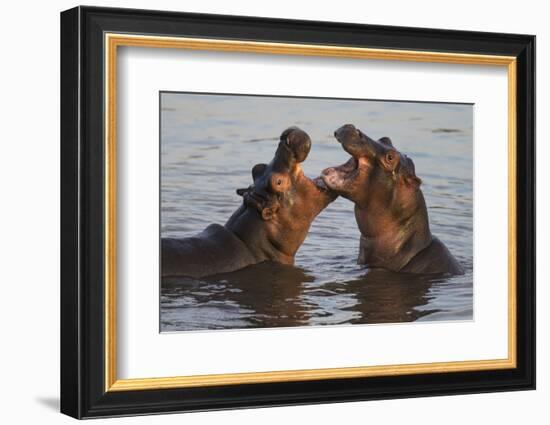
(209,143)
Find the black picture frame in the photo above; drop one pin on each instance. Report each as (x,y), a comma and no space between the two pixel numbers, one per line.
(83,392)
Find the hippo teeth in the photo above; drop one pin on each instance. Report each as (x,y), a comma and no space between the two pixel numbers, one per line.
(320,183)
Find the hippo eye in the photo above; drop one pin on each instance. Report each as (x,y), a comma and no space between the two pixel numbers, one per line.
(389,157)
(279,182)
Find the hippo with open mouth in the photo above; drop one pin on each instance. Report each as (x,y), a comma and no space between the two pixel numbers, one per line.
(270,225)
(389,206)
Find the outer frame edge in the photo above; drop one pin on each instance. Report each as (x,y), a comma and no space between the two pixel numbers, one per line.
(102,406)
(70,349)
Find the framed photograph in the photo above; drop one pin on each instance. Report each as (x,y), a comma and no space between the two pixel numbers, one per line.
(261,212)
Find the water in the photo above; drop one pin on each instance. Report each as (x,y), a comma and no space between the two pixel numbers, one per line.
(209,144)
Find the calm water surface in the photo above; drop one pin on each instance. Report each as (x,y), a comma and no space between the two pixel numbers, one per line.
(209,144)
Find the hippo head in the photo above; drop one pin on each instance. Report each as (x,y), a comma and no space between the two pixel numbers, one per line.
(376,173)
(390,209)
(274,192)
(283,198)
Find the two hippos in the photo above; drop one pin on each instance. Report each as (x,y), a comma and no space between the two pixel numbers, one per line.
(280,205)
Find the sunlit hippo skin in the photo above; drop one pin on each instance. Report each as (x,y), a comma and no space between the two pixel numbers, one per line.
(270,225)
(389,207)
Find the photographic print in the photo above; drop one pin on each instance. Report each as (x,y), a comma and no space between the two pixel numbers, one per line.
(323,197)
(290,211)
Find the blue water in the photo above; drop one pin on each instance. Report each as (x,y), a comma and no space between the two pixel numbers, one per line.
(209,143)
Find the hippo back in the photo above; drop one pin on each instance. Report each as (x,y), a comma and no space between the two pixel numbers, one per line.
(214,250)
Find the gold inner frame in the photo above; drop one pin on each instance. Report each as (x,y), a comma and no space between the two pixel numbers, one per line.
(113,41)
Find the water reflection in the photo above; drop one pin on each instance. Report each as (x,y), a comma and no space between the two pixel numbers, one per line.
(386,297)
(263,295)
(273,295)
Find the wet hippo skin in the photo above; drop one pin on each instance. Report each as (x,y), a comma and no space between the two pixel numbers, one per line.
(270,225)
(390,209)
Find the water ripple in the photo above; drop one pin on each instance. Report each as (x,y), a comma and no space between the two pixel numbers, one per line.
(209,146)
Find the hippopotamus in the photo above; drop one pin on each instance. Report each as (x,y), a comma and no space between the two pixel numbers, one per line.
(390,209)
(270,224)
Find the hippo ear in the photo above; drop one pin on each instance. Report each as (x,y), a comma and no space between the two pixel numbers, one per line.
(258,170)
(391,159)
(410,174)
(268,213)
(413,182)
(386,141)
